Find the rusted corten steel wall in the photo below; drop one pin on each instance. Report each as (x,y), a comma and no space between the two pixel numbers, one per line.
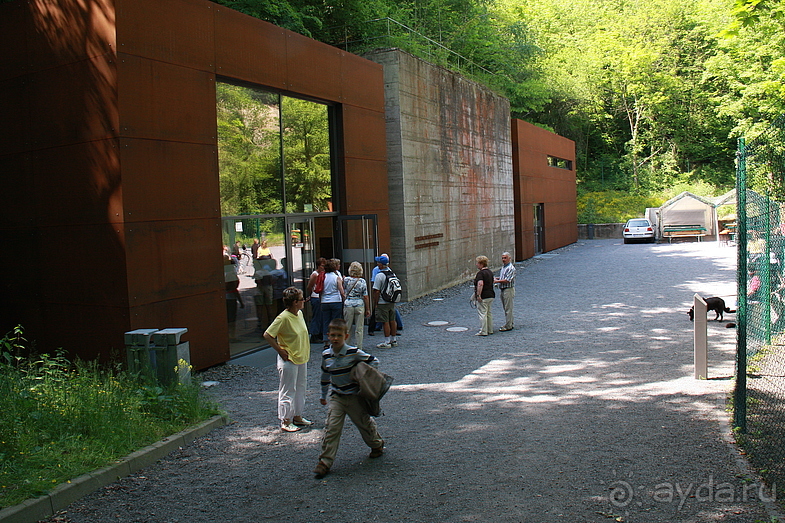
(450,172)
(108,161)
(537,182)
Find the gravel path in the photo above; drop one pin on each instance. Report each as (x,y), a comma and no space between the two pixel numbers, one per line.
(586,412)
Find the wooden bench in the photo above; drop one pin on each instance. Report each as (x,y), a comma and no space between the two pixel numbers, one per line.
(683,231)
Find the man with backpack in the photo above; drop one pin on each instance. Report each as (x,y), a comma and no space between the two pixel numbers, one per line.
(386,293)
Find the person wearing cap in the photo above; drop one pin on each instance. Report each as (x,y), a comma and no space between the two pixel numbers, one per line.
(385,311)
(373,324)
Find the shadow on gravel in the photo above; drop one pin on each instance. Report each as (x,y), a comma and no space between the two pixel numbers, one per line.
(586,412)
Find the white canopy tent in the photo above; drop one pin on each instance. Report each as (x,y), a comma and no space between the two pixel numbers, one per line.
(690,209)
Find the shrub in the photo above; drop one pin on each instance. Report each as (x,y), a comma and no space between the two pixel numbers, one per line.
(60,419)
(613,206)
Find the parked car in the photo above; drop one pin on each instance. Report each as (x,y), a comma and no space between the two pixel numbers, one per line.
(638,229)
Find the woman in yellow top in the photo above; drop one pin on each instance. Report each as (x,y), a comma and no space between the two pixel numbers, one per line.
(264,251)
(288,335)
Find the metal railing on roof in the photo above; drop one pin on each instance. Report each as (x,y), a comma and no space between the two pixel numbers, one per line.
(433,51)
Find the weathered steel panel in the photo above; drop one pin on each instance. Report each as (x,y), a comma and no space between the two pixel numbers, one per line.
(84,264)
(77,184)
(96,330)
(314,68)
(249,49)
(14,42)
(362,82)
(169,180)
(172,259)
(73,103)
(364,133)
(166,102)
(17,211)
(539,182)
(178,32)
(366,186)
(155,97)
(15,101)
(66,31)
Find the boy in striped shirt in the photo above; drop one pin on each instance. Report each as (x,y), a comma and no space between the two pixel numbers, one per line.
(337,362)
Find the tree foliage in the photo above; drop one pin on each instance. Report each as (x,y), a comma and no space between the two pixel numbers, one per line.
(654,93)
(267,142)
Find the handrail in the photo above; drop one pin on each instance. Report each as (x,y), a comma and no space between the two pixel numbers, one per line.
(346,42)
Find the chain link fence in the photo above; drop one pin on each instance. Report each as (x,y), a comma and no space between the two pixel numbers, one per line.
(759,397)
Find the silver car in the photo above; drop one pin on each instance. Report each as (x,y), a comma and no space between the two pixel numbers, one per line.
(638,229)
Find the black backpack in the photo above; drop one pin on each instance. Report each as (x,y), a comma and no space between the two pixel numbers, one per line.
(391,291)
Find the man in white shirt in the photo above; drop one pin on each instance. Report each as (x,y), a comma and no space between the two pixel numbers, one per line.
(506,283)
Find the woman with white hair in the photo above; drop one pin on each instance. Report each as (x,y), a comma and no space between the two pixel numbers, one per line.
(356,308)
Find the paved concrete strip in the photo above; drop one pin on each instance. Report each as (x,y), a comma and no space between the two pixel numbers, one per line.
(63,495)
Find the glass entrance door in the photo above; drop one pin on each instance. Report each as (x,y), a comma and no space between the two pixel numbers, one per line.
(300,259)
(357,241)
(539,228)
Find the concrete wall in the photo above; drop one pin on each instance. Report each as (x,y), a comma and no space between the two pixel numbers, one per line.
(449,172)
(601,231)
(108,161)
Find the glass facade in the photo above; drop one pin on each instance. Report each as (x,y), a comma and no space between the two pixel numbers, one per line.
(273,153)
(275,172)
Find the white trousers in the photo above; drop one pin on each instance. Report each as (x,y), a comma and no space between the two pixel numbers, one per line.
(291,389)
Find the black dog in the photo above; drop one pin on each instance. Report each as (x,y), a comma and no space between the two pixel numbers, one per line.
(712,304)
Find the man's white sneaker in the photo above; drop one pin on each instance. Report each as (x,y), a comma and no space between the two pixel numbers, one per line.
(384,345)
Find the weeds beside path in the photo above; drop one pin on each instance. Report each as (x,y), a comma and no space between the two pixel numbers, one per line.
(60,419)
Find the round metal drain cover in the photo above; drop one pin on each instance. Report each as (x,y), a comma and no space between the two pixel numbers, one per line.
(457,329)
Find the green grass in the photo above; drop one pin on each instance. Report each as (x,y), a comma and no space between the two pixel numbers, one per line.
(60,419)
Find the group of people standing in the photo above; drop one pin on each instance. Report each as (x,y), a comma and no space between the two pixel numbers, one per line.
(484,293)
(339,304)
(288,335)
(334,296)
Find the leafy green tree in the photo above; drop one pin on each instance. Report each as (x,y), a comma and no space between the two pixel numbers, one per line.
(248,151)
(306,145)
(298,16)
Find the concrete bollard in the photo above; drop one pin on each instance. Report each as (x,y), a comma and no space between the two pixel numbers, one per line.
(159,354)
(137,351)
(173,357)
(700,339)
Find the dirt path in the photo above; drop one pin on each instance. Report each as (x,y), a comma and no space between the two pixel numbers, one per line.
(586,412)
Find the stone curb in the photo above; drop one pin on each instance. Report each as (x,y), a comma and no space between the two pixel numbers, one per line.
(63,495)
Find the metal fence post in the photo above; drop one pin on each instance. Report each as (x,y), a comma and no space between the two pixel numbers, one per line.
(740,389)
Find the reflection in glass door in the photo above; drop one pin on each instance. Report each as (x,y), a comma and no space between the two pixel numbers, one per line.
(255,273)
(300,251)
(358,241)
(539,228)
